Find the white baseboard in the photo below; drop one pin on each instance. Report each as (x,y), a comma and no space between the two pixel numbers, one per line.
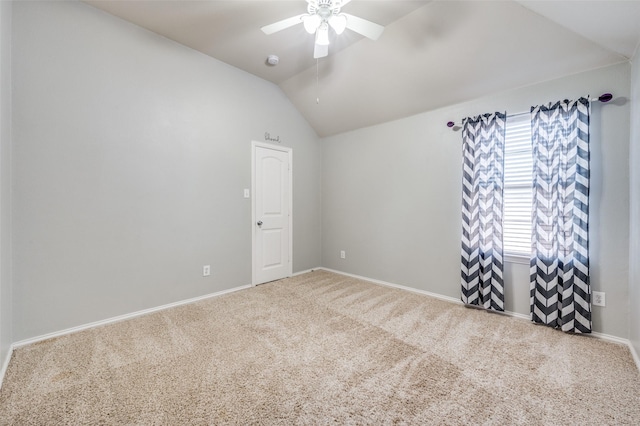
(609,337)
(603,336)
(306,271)
(5,364)
(398,286)
(123,317)
(423,292)
(634,354)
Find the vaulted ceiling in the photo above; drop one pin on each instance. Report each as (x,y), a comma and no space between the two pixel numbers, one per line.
(431,54)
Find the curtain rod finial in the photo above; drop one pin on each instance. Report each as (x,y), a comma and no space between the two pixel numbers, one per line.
(450,124)
(606,97)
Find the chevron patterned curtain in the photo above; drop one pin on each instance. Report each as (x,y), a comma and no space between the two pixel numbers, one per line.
(560,292)
(482,191)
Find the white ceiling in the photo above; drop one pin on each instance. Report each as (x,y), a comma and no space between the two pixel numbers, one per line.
(431,54)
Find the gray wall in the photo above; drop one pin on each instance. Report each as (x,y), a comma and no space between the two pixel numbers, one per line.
(634,255)
(6,317)
(391,196)
(130,153)
(130,156)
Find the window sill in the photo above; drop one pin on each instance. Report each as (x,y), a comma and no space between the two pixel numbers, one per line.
(515,258)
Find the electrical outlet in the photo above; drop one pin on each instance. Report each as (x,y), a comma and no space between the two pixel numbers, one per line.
(206,270)
(598,298)
(343,254)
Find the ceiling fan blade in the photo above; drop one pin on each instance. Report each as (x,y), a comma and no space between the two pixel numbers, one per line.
(362,26)
(339,3)
(320,51)
(282,25)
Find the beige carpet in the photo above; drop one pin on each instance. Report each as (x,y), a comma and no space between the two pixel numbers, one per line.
(316,349)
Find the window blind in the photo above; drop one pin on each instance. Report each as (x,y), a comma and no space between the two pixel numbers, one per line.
(518,181)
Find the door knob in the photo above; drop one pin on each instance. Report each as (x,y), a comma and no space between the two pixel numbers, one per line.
(259,223)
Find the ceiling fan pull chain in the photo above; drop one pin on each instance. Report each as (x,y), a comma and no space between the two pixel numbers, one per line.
(317,82)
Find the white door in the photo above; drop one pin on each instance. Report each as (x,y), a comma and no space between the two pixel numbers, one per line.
(271,212)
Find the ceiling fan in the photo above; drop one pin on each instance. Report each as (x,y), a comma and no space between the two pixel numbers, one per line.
(322,14)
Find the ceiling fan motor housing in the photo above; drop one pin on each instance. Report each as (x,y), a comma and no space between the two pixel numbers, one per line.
(323,8)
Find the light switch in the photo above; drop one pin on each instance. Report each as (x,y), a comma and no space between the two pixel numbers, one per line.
(247,194)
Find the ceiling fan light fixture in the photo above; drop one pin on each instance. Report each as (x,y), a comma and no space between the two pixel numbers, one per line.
(338,23)
(322,14)
(311,23)
(322,34)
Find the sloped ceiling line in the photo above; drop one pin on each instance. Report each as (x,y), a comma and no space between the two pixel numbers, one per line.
(431,54)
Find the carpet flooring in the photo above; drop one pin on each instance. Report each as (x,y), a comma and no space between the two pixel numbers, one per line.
(321,348)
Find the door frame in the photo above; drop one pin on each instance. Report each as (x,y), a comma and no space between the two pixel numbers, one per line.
(289,152)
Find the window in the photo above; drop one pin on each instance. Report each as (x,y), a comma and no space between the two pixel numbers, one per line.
(518,181)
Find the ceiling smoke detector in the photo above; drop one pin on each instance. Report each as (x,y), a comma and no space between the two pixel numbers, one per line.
(273,60)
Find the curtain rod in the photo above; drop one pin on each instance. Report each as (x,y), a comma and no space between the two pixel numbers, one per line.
(604,98)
